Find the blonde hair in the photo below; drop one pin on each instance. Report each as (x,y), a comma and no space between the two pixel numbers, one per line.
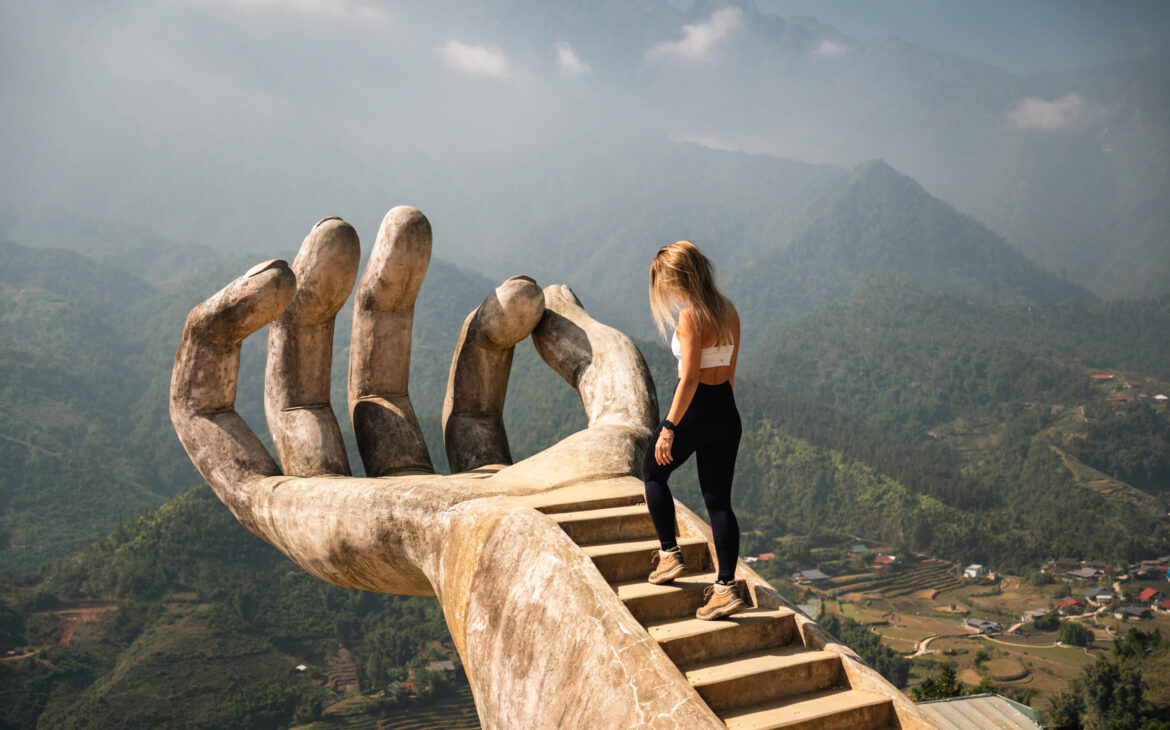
(682,270)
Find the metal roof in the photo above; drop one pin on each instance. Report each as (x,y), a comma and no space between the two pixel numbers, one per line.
(980,712)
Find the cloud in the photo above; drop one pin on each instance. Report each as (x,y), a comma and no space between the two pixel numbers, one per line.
(474,60)
(568,61)
(1067,112)
(829,49)
(332,9)
(699,40)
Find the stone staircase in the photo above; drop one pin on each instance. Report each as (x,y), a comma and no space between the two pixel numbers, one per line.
(752,669)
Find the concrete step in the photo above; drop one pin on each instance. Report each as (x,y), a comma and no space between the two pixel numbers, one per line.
(680,597)
(832,709)
(629,560)
(688,640)
(610,524)
(579,503)
(763,675)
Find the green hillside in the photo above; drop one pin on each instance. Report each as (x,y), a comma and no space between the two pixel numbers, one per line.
(196,623)
(877,220)
(970,419)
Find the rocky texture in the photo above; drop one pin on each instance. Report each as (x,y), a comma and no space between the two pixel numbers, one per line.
(545,639)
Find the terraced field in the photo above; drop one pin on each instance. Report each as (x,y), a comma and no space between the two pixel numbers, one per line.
(457,713)
(361,713)
(912,576)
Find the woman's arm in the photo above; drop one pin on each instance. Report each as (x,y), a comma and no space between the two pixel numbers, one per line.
(735,352)
(688,382)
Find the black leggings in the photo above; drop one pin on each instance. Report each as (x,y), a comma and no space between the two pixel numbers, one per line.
(710,429)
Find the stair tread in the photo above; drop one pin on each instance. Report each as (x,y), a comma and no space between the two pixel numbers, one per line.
(757,662)
(605,513)
(800,708)
(633,546)
(631,589)
(678,628)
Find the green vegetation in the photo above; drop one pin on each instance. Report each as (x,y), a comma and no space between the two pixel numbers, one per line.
(868,645)
(206,627)
(1116,693)
(938,686)
(1074,634)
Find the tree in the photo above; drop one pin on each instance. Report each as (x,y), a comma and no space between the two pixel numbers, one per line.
(985,686)
(1074,634)
(1106,695)
(1048,622)
(938,686)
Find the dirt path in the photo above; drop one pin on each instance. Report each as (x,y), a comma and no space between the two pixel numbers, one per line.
(68,619)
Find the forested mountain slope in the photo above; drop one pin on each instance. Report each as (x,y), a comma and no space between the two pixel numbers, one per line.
(877,220)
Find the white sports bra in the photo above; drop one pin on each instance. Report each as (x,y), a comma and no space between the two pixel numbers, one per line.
(709,357)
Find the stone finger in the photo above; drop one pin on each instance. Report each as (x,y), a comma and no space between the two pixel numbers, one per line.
(300,354)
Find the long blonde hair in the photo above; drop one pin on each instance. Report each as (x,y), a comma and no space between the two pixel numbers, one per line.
(681,269)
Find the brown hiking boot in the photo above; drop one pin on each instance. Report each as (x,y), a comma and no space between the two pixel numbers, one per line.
(670,565)
(720,603)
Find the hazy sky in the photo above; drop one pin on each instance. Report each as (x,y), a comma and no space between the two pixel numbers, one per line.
(245,120)
(1021,36)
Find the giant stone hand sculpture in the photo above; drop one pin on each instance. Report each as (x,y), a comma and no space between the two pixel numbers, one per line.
(544,638)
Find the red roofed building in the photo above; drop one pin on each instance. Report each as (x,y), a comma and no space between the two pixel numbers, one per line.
(1122,398)
(1149,595)
(1164,605)
(1066,603)
(1103,376)
(766,556)
(883,559)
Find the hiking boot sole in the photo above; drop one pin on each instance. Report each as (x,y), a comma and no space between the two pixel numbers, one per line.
(734,607)
(667,576)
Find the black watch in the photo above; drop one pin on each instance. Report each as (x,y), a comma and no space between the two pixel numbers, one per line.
(667,424)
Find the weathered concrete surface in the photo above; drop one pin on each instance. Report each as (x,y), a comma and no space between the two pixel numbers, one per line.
(473,410)
(546,642)
(300,354)
(388,435)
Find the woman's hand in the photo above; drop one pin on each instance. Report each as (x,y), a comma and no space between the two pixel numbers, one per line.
(662,447)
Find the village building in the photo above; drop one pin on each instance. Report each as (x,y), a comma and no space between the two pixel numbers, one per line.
(1164,606)
(974,571)
(1066,564)
(1100,596)
(883,560)
(859,549)
(765,556)
(1066,605)
(809,576)
(1084,574)
(446,665)
(1102,377)
(1151,569)
(983,626)
(1033,614)
(1135,613)
(982,710)
(1149,595)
